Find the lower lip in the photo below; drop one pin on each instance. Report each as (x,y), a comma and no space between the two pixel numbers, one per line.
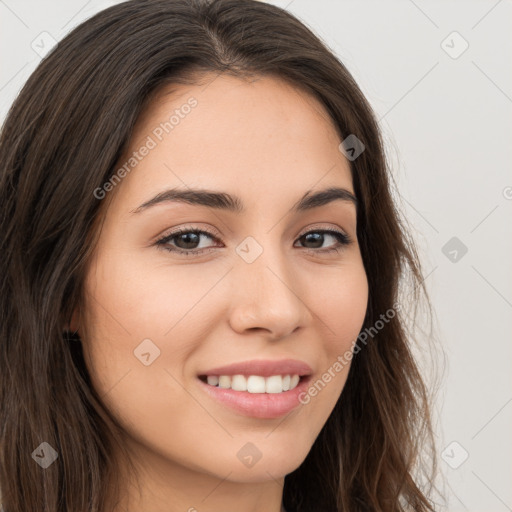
(259,405)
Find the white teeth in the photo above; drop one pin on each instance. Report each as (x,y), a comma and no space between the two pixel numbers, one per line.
(274,384)
(255,383)
(239,383)
(213,380)
(224,381)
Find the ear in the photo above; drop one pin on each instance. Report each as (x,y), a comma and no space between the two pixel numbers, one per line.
(75,320)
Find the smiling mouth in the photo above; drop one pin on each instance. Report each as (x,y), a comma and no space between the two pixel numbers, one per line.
(255,383)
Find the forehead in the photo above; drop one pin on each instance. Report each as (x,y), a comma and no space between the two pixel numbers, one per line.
(256,138)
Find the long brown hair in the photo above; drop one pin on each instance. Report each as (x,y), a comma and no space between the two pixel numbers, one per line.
(61,141)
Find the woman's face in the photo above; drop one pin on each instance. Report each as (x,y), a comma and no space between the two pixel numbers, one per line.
(256,287)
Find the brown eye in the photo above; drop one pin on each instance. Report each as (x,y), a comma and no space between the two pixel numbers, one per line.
(185,241)
(316,239)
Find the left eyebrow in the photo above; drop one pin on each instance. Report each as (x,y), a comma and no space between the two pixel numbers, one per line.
(225,201)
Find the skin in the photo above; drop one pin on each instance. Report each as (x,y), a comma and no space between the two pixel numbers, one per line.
(268,143)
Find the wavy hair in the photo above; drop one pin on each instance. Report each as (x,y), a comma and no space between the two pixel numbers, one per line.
(61,140)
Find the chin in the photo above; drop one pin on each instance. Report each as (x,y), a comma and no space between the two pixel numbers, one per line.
(268,467)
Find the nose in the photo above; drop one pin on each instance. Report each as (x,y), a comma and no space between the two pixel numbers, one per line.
(264,298)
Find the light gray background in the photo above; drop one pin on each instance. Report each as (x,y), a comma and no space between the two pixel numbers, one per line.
(448,125)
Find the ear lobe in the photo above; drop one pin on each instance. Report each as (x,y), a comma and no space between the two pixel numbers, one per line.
(75,320)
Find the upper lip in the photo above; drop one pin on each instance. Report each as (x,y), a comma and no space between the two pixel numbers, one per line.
(263,367)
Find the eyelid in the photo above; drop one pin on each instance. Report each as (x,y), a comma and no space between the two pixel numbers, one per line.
(325,227)
(210,231)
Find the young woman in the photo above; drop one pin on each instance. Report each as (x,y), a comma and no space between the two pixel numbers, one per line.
(201,305)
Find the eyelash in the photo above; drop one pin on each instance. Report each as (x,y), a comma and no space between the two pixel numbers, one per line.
(343,240)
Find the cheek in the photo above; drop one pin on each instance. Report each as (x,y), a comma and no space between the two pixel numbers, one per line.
(142,317)
(341,303)
(142,326)
(135,300)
